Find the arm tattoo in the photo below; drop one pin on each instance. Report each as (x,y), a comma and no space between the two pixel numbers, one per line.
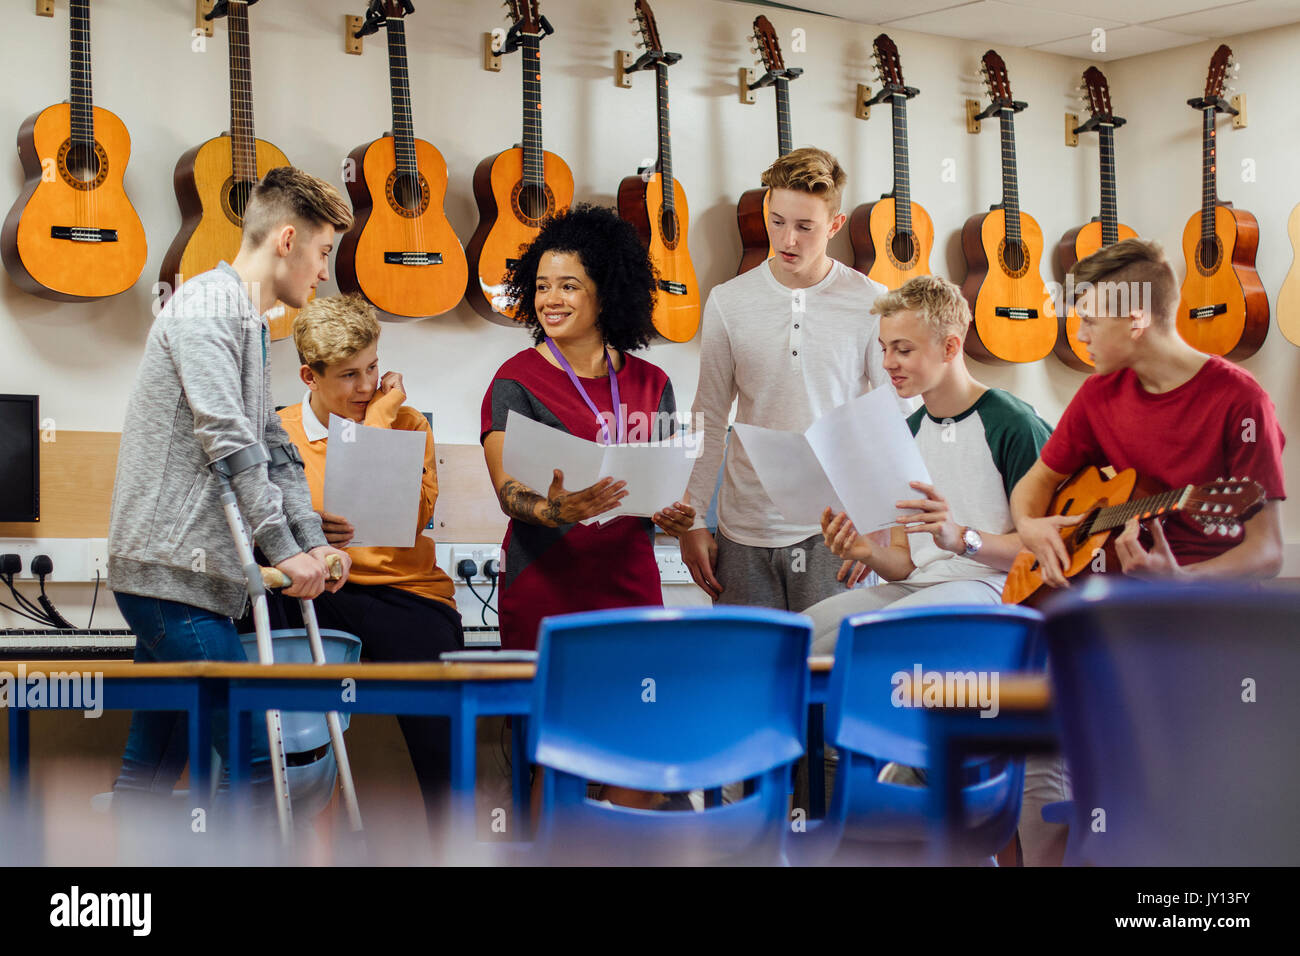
(519,501)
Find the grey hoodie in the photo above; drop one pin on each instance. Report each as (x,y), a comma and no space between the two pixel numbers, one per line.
(203,391)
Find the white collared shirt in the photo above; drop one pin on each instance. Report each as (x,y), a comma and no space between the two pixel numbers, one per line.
(311,425)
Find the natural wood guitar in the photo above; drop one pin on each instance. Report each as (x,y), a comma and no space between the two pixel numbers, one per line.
(1288,299)
(401,252)
(1223,308)
(1082,241)
(214,180)
(1014,317)
(751,211)
(893,236)
(516,189)
(73,234)
(1107,504)
(655,203)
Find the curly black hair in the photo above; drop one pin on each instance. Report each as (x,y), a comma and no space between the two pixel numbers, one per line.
(613,256)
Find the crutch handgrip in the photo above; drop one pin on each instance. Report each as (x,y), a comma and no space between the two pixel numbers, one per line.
(275,578)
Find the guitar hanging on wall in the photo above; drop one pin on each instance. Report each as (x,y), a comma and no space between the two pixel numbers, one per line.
(893,236)
(401,252)
(1288,298)
(518,188)
(214,180)
(655,203)
(1083,241)
(751,211)
(1014,318)
(1223,308)
(73,235)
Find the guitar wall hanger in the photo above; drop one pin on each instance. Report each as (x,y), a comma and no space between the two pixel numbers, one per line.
(222,8)
(626,63)
(993,109)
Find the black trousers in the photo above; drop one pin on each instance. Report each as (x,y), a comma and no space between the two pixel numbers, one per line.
(394,626)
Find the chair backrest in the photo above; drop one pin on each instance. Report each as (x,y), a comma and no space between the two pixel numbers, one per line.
(1179,708)
(303,730)
(975,644)
(668,700)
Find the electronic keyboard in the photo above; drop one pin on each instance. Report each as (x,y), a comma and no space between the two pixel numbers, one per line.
(73,644)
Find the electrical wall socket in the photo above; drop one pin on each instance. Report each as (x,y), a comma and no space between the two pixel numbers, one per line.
(74,559)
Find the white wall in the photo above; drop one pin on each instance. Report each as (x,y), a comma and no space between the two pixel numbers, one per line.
(316,103)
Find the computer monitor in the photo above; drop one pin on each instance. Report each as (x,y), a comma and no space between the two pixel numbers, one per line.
(20,458)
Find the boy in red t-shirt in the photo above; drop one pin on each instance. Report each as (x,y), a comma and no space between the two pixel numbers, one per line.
(1176,415)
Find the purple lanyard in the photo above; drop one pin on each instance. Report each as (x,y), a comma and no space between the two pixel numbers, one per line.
(619,425)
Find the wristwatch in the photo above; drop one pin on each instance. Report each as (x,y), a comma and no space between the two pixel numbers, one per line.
(971,538)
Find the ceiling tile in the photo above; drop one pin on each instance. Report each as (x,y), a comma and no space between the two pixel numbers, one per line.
(1127,11)
(1120,42)
(1232,20)
(1002,23)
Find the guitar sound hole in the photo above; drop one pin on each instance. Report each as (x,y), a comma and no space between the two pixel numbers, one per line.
(903,246)
(1014,257)
(668,226)
(406,191)
(1208,255)
(532,201)
(83,163)
(239,195)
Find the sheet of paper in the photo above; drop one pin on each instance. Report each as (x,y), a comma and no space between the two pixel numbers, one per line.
(869,455)
(534,450)
(372,478)
(656,475)
(789,472)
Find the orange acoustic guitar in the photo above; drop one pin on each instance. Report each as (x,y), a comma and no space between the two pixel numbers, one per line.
(1223,308)
(655,203)
(1083,241)
(73,234)
(1107,504)
(751,211)
(1288,298)
(214,180)
(1014,318)
(892,237)
(401,252)
(517,188)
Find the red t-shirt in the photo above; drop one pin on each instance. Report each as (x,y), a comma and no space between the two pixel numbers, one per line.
(1218,424)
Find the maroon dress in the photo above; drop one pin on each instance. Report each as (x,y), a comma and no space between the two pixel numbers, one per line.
(576,567)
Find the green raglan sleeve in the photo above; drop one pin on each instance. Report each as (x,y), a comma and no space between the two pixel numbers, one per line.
(1015,435)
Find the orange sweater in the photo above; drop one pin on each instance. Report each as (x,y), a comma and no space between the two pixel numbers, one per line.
(413,569)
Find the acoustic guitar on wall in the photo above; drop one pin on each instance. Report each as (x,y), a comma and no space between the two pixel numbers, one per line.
(1218,507)
(1223,308)
(751,211)
(1288,299)
(1082,241)
(1014,318)
(893,236)
(401,252)
(73,235)
(215,179)
(516,189)
(655,203)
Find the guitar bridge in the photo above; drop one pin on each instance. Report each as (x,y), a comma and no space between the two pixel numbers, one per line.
(1006,312)
(83,234)
(1207,311)
(672,288)
(413,258)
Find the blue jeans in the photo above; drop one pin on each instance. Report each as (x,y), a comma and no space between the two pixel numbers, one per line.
(157,747)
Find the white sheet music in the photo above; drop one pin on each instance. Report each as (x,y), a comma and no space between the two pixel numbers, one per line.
(372,478)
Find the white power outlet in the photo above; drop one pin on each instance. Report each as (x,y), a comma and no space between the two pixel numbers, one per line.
(74,559)
(672,569)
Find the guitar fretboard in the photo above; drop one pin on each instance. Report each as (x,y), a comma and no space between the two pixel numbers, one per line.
(1209,191)
(1116,516)
(400,85)
(784,138)
(83,113)
(1010,190)
(243,139)
(1109,208)
(902,179)
(665,135)
(534,160)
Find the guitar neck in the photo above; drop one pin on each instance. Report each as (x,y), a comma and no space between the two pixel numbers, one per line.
(534,161)
(400,85)
(1209,188)
(1116,516)
(665,136)
(83,111)
(784,139)
(1010,190)
(1109,208)
(243,139)
(902,179)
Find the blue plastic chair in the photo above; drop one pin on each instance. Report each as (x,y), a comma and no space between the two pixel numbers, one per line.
(868,820)
(668,700)
(1152,684)
(311,778)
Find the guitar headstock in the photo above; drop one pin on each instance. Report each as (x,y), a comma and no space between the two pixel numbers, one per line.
(888,65)
(996,80)
(645,19)
(1098,94)
(769,47)
(1221,506)
(395,9)
(1218,72)
(526,15)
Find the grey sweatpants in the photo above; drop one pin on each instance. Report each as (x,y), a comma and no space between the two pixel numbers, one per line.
(793,578)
